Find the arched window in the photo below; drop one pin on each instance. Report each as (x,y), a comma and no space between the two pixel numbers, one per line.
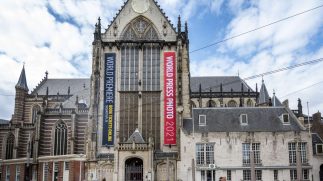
(60,144)
(232,103)
(140,29)
(34,113)
(9,146)
(249,103)
(211,103)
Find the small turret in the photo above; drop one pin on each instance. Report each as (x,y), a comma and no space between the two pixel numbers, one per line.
(22,82)
(21,93)
(263,94)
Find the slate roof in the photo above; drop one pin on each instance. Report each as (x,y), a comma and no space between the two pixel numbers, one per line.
(275,101)
(214,82)
(260,119)
(61,86)
(263,94)
(22,82)
(135,137)
(3,121)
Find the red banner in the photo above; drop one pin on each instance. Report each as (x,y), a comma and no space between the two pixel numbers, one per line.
(169,98)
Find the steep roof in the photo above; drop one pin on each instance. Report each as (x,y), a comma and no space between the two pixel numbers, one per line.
(263,94)
(22,82)
(135,137)
(275,101)
(61,86)
(214,82)
(154,1)
(260,119)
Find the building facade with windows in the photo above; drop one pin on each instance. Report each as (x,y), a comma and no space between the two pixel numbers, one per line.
(141,116)
(267,143)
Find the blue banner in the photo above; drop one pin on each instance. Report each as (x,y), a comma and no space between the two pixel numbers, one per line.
(109,98)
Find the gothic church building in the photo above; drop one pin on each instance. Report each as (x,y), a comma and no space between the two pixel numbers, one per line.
(137,118)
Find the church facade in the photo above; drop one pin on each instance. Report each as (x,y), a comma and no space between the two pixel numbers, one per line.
(141,116)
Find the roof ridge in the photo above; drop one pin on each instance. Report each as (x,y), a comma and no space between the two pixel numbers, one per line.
(41,83)
(124,4)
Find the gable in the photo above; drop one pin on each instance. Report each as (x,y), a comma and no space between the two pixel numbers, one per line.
(127,14)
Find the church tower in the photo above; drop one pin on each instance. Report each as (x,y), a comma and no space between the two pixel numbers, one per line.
(21,93)
(139,94)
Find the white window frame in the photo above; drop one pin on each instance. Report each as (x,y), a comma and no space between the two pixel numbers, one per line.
(8,173)
(202,122)
(246,150)
(206,153)
(292,148)
(229,175)
(241,119)
(204,174)
(316,146)
(17,172)
(283,119)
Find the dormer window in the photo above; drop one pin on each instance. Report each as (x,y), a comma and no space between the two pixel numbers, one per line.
(285,118)
(202,120)
(244,119)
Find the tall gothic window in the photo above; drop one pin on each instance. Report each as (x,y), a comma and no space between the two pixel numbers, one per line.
(140,81)
(9,146)
(60,144)
(35,110)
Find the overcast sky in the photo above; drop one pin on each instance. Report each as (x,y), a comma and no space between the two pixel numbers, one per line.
(56,35)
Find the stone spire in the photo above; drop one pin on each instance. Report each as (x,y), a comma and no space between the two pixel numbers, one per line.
(22,82)
(179,25)
(263,94)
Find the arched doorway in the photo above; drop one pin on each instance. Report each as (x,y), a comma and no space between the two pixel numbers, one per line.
(321,172)
(134,169)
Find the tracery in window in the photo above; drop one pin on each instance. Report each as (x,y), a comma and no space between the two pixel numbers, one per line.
(60,144)
(140,29)
(232,103)
(9,146)
(211,103)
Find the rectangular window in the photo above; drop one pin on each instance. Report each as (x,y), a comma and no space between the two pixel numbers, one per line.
(292,152)
(207,175)
(258,175)
(228,175)
(7,173)
(275,175)
(67,166)
(151,68)
(129,68)
(305,174)
(285,118)
(246,175)
(45,171)
(244,119)
(204,154)
(202,120)
(293,175)
(246,153)
(319,148)
(17,172)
